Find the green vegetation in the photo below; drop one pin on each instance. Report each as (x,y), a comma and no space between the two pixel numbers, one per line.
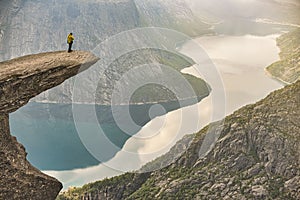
(288,68)
(76,192)
(149,93)
(236,168)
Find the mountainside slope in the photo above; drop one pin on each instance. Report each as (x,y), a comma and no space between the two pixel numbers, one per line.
(173,14)
(30,27)
(288,68)
(257,156)
(36,26)
(137,63)
(39,26)
(21,79)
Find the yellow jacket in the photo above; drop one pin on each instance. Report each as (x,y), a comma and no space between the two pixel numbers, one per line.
(70,38)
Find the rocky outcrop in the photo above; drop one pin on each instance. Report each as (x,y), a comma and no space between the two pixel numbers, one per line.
(257,156)
(21,79)
(25,77)
(18,179)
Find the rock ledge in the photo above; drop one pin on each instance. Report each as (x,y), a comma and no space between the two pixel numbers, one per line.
(20,80)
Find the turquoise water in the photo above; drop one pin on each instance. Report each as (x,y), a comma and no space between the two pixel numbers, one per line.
(50,137)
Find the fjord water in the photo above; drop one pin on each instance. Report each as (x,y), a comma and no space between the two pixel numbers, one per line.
(240,60)
(48,132)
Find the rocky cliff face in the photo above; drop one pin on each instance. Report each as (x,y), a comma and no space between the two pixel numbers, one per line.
(29,26)
(256,157)
(21,79)
(173,14)
(36,26)
(8,9)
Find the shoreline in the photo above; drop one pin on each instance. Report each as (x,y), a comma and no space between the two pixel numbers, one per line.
(276,78)
(140,149)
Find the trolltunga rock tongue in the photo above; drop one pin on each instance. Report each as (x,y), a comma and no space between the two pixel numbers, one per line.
(20,80)
(25,77)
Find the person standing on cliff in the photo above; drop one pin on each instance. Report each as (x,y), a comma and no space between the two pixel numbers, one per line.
(70,41)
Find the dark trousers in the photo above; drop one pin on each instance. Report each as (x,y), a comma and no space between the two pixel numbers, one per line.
(70,47)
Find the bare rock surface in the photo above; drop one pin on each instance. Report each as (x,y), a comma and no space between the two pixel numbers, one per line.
(25,77)
(21,79)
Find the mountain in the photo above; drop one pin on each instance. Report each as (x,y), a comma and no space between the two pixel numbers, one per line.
(21,79)
(241,17)
(255,157)
(130,55)
(37,26)
(40,26)
(158,66)
(275,10)
(288,68)
(8,10)
(173,14)
(29,26)
(51,124)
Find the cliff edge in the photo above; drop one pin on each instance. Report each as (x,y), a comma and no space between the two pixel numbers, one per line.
(20,80)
